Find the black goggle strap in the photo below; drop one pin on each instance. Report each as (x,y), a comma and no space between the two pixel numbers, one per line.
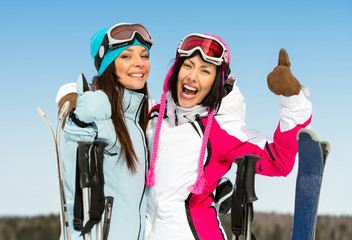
(226,69)
(101,52)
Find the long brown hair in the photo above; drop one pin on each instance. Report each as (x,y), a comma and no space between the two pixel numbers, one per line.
(108,82)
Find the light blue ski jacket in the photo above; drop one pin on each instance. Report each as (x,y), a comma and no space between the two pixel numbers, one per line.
(128,189)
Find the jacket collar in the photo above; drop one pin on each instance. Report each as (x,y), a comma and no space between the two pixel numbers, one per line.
(132,103)
(177,115)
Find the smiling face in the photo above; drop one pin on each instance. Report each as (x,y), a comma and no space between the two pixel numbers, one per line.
(194,82)
(132,67)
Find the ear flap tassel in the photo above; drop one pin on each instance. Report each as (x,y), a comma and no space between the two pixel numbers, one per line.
(198,187)
(150,181)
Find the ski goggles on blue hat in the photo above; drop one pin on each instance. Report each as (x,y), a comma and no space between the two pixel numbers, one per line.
(211,49)
(120,35)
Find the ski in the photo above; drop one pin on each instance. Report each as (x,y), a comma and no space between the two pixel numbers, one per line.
(312,156)
(65,229)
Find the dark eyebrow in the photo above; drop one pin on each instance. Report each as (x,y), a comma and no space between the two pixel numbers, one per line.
(129,49)
(190,61)
(202,66)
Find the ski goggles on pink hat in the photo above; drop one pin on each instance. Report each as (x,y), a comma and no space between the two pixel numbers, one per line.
(212,50)
(123,34)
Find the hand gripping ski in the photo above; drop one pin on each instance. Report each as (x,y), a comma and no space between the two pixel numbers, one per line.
(89,204)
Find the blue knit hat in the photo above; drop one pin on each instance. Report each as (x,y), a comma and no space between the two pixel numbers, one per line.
(110,55)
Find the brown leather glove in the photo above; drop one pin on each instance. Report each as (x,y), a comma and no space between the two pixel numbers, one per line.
(72,98)
(280,80)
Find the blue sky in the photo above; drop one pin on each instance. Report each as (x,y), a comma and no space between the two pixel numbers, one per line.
(45,44)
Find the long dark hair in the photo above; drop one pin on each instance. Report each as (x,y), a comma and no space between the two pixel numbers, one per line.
(108,82)
(214,97)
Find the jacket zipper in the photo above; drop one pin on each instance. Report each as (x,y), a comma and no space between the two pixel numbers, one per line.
(145,158)
(176,119)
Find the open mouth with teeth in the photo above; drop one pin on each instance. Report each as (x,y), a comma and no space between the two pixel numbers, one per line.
(188,91)
(136,75)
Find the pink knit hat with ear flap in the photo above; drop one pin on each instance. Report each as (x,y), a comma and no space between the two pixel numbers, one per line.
(198,186)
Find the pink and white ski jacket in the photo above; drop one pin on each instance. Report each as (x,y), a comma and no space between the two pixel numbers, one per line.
(175,213)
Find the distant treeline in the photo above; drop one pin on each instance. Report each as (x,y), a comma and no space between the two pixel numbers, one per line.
(273,226)
(30,228)
(266,226)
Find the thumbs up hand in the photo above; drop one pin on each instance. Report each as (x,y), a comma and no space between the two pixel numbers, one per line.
(281,81)
(91,106)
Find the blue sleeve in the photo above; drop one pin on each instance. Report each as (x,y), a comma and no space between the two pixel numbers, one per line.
(72,134)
